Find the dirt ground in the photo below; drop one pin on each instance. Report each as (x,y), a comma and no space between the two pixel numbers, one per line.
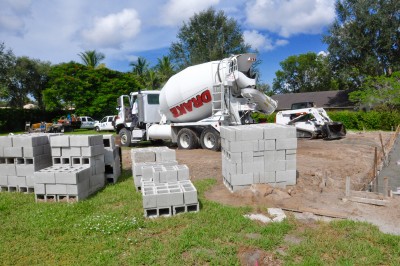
(322,170)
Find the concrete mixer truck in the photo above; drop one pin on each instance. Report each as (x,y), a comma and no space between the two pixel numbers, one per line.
(193,105)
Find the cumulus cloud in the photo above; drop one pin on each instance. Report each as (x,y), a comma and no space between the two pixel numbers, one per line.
(112,30)
(176,11)
(290,17)
(262,42)
(12,16)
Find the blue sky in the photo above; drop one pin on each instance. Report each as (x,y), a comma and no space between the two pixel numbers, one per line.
(57,30)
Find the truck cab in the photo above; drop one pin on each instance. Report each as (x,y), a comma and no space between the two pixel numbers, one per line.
(148,106)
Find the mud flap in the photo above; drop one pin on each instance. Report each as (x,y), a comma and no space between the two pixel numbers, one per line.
(333,130)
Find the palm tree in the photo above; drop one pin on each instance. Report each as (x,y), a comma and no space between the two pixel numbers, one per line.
(152,80)
(140,67)
(91,58)
(164,68)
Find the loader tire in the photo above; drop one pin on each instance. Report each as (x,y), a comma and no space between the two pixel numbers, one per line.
(125,136)
(187,139)
(210,139)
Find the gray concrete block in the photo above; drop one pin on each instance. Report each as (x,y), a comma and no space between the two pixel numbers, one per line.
(33,151)
(3,180)
(55,189)
(240,146)
(81,188)
(269,145)
(176,196)
(247,168)
(110,155)
(6,141)
(163,155)
(267,177)
(248,132)
(256,178)
(56,151)
(72,175)
(97,182)
(284,144)
(29,140)
(228,133)
(291,165)
(189,193)
(289,177)
(30,181)
(241,179)
(71,151)
(45,176)
(170,174)
(270,166)
(290,157)
(59,141)
(183,172)
(163,197)
(258,164)
(92,151)
(8,169)
(109,142)
(247,156)
(13,152)
(149,197)
(142,155)
(40,189)
(17,181)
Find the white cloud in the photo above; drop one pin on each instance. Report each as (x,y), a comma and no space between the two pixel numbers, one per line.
(12,15)
(290,17)
(112,30)
(177,11)
(262,42)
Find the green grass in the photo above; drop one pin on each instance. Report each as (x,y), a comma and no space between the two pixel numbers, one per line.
(109,229)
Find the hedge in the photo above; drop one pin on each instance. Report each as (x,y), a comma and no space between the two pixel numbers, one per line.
(12,120)
(359,120)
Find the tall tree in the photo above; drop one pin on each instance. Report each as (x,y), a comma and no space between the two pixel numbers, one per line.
(209,35)
(364,40)
(7,63)
(304,73)
(92,58)
(140,67)
(164,69)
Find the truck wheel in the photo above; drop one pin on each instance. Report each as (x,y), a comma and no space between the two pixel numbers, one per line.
(125,136)
(97,129)
(210,139)
(187,139)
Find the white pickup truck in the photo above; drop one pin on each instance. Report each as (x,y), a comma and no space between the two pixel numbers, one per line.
(105,124)
(87,122)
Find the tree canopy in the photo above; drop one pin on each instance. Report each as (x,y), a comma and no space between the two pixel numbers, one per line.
(92,58)
(208,36)
(304,73)
(364,40)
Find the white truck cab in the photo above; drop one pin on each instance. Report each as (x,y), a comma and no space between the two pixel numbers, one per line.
(105,124)
(87,122)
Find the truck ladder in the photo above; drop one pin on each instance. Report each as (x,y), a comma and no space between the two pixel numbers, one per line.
(218,99)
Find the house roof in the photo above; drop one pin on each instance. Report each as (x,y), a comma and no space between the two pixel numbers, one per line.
(324,99)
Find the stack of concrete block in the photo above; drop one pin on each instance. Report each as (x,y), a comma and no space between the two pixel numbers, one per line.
(165,185)
(258,154)
(112,159)
(20,157)
(147,158)
(77,171)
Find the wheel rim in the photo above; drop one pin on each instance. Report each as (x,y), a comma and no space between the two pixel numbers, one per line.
(124,139)
(209,140)
(184,141)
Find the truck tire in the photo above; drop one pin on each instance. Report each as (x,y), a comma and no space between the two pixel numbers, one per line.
(125,136)
(210,139)
(187,139)
(97,129)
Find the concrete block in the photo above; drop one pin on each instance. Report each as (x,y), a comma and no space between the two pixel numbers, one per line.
(290,157)
(17,181)
(193,207)
(228,133)
(241,179)
(247,168)
(45,176)
(289,177)
(85,140)
(267,177)
(142,155)
(55,189)
(258,164)
(149,197)
(256,178)
(109,142)
(40,189)
(30,181)
(110,155)
(183,172)
(70,151)
(29,140)
(269,145)
(164,154)
(6,141)
(33,151)
(284,144)
(147,171)
(8,169)
(59,141)
(240,146)
(56,151)
(72,175)
(175,196)
(290,165)
(156,173)
(248,132)
(3,180)
(279,165)
(189,193)
(81,188)
(13,152)
(92,150)
(163,197)
(170,174)
(247,157)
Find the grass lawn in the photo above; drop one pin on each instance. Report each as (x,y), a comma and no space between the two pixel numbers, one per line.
(109,229)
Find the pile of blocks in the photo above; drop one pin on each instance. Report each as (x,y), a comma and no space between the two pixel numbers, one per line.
(258,154)
(165,185)
(112,159)
(77,172)
(20,157)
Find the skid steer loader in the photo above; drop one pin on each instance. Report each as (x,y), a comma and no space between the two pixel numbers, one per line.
(312,123)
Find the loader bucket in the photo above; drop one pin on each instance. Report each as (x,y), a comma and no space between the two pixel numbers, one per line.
(333,130)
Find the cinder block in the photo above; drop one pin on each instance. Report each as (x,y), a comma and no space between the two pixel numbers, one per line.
(6,141)
(59,141)
(96,182)
(290,157)
(110,155)
(30,181)
(8,169)
(109,142)
(33,151)
(56,151)
(164,154)
(92,150)
(142,155)
(82,188)
(240,146)
(176,196)
(56,189)
(149,197)
(270,166)
(72,175)
(29,140)
(71,151)
(241,179)
(183,172)
(289,177)
(163,197)
(267,177)
(170,174)
(3,180)
(247,157)
(17,181)
(13,152)
(284,144)
(248,168)
(291,165)
(40,189)
(249,132)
